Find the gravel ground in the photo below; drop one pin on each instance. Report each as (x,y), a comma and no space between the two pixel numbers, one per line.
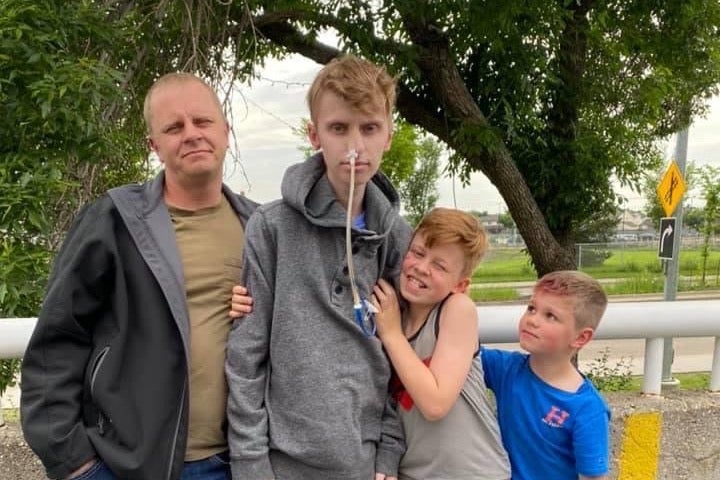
(17,461)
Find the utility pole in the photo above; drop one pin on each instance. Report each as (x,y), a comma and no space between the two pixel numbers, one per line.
(672,266)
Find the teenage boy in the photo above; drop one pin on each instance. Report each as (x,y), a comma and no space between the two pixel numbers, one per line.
(450,426)
(553,421)
(308,388)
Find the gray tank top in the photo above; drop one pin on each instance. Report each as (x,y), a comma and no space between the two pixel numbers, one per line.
(466,443)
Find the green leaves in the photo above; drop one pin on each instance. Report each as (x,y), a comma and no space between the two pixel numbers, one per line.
(399,162)
(419,191)
(60,144)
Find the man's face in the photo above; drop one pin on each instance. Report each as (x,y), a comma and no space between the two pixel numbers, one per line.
(188,132)
(339,129)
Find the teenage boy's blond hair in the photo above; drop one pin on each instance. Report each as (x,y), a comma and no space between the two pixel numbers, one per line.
(445,226)
(368,88)
(588,296)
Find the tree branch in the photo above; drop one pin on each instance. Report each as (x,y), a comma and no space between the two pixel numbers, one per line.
(457,111)
(435,62)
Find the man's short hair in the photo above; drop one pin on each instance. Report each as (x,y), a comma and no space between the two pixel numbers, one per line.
(171,78)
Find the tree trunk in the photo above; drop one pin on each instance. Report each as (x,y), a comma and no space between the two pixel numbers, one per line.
(459,113)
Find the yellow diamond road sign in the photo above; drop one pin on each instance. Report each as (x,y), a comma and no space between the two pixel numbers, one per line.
(671,189)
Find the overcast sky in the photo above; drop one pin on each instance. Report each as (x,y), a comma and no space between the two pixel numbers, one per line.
(265,113)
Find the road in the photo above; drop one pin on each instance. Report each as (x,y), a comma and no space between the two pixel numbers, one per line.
(691,354)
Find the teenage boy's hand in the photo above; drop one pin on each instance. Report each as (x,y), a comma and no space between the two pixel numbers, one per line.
(381,476)
(387,319)
(240,302)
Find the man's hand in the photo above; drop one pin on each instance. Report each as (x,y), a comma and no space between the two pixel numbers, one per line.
(382,476)
(240,302)
(84,468)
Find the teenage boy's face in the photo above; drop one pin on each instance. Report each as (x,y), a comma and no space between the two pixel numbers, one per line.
(430,274)
(548,325)
(338,128)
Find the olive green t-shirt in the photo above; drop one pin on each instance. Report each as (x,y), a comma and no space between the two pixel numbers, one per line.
(210,242)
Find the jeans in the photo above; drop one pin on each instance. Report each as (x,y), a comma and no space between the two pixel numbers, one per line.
(99,471)
(216,467)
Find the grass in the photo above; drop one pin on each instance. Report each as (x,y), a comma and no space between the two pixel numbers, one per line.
(696,381)
(504,265)
(11,414)
(494,294)
(634,270)
(626,260)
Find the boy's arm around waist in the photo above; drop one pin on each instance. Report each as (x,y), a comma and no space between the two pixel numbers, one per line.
(57,357)
(246,366)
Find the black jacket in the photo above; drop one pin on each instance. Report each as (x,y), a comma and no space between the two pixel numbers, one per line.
(106,370)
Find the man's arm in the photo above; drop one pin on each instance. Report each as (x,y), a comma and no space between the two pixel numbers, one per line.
(54,365)
(246,367)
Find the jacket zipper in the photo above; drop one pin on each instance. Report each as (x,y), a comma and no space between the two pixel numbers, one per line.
(176,434)
(96,368)
(93,376)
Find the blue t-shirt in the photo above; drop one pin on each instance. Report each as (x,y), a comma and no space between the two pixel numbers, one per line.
(359,221)
(547,432)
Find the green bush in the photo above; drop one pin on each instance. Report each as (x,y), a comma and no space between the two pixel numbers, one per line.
(592,257)
(609,377)
(8,371)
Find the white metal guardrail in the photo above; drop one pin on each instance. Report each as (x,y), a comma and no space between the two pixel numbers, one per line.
(652,321)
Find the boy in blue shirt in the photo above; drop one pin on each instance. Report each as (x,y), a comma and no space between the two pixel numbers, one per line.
(554,423)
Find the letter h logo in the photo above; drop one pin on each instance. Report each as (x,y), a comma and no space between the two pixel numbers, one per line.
(556,417)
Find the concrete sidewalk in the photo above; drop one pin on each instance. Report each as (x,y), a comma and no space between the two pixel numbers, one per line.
(673,437)
(691,354)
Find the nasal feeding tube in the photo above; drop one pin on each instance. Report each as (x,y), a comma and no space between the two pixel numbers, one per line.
(363,309)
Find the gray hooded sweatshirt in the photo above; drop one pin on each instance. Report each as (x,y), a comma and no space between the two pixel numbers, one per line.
(308,390)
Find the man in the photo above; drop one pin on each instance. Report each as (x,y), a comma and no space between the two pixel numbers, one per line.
(123,377)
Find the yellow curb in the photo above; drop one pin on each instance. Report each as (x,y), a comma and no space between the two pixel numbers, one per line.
(640,447)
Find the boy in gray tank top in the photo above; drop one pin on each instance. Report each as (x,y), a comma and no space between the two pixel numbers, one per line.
(450,426)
